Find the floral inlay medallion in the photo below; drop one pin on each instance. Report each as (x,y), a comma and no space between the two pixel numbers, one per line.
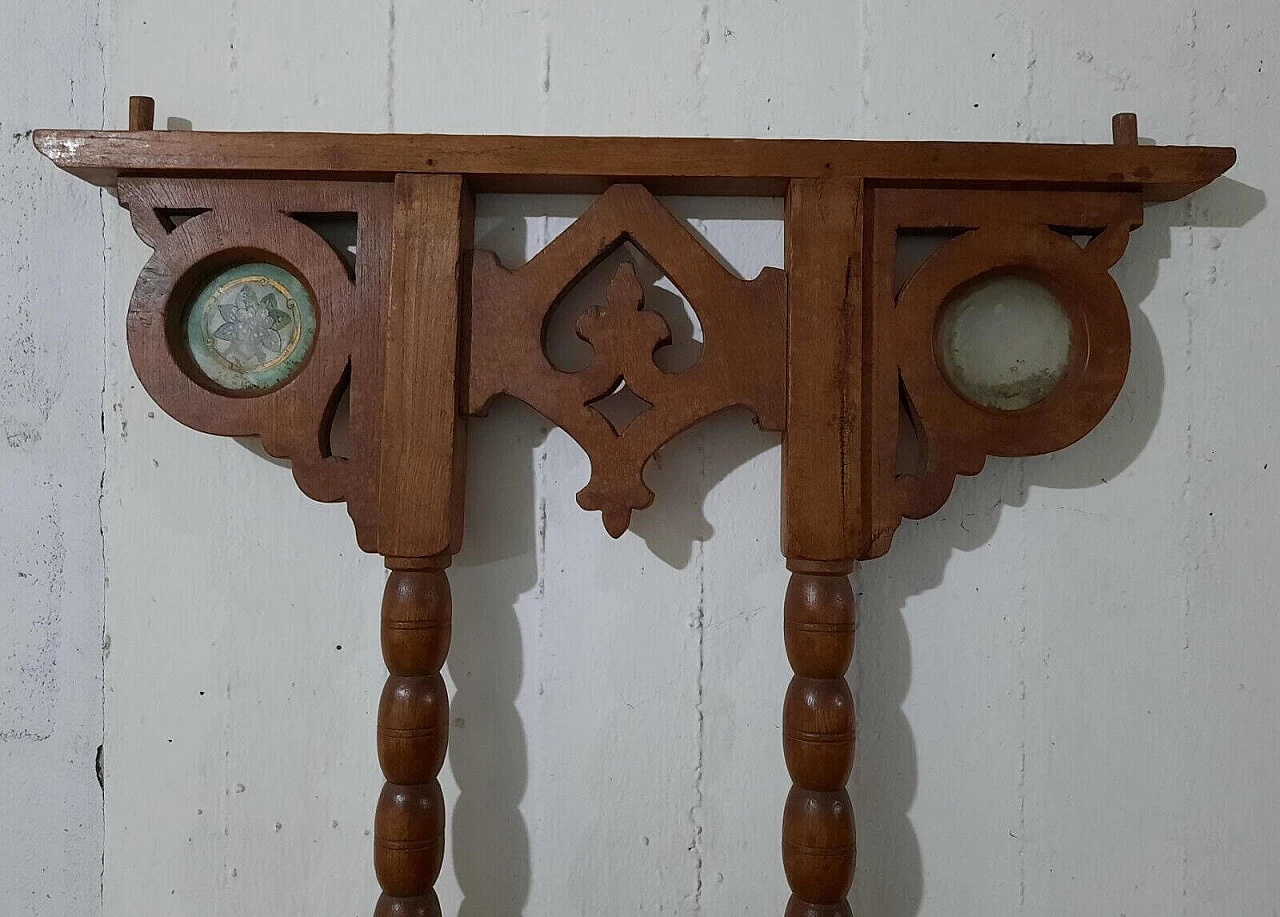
(251,327)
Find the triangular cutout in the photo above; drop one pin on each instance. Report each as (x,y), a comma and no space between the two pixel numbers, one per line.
(340,232)
(914,249)
(172,217)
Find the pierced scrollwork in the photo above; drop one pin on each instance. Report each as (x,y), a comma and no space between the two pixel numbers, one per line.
(624,336)
(743,361)
(207,228)
(952,435)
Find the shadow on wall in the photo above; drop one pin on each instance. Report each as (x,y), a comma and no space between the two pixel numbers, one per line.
(489,837)
(890,869)
(489,758)
(488,751)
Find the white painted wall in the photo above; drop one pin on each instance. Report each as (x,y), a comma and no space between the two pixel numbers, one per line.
(1067,680)
(52,288)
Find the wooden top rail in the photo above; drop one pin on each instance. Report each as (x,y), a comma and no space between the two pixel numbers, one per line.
(666,165)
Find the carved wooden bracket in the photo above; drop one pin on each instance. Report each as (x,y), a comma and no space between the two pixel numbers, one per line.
(743,361)
(247,322)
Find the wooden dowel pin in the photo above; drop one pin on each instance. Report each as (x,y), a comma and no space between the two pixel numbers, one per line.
(142,113)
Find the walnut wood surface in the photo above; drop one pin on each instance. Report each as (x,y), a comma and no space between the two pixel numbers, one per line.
(822,450)
(142,113)
(666,165)
(905,390)
(862,368)
(413,735)
(833,351)
(742,360)
(422,477)
(237,221)
(818,844)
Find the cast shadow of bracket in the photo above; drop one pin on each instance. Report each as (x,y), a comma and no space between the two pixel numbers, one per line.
(890,867)
(488,749)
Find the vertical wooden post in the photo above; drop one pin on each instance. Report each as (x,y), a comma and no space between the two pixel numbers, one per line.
(822,447)
(413,735)
(818,844)
(825,526)
(421,484)
(422,478)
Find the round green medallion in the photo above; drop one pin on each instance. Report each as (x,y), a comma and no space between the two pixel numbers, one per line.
(251,327)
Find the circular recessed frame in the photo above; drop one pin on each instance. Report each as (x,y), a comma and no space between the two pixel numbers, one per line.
(1005,342)
(1097,356)
(250,328)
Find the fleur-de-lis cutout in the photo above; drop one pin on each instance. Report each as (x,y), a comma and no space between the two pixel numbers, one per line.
(623,336)
(622,408)
(251,327)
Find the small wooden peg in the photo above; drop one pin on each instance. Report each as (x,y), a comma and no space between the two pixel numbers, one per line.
(142,113)
(1124,129)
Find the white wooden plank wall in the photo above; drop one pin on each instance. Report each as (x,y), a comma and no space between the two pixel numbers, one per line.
(1067,680)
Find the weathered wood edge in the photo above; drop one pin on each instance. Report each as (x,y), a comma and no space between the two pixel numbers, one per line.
(685,165)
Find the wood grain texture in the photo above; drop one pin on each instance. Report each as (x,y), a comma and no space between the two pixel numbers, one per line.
(422,475)
(1124,129)
(742,361)
(233,222)
(142,113)
(822,448)
(413,735)
(863,369)
(667,165)
(818,844)
(1000,233)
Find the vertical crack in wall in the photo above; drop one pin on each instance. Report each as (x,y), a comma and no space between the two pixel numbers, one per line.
(233,60)
(1190,554)
(540,536)
(391,65)
(104,201)
(540,548)
(864,67)
(1029,88)
(700,638)
(1022,778)
(1024,614)
(545,66)
(1188,567)
(700,63)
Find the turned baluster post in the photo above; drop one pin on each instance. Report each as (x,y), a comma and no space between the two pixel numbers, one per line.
(413,735)
(818,847)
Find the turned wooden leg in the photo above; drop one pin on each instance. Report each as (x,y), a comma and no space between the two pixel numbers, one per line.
(413,733)
(817,739)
